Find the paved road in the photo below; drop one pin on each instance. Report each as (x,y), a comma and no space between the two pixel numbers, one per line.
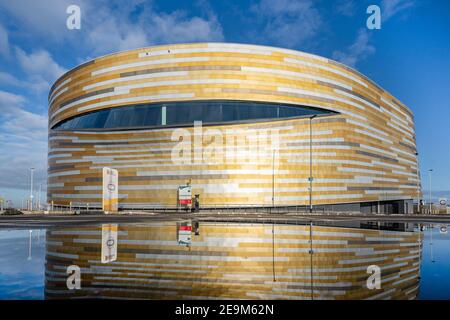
(43,221)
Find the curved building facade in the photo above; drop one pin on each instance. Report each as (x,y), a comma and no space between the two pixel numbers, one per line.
(245,125)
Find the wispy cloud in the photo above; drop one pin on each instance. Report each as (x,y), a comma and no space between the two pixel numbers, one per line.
(23,140)
(390,8)
(357,51)
(286,22)
(39,63)
(38,71)
(176,27)
(45,18)
(108,26)
(10,80)
(361,48)
(4,41)
(111,30)
(345,7)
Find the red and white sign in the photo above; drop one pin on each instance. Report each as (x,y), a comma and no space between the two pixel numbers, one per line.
(185,195)
(184,234)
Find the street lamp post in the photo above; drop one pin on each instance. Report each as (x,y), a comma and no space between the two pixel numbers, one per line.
(429,179)
(39,197)
(31,189)
(273,179)
(310,163)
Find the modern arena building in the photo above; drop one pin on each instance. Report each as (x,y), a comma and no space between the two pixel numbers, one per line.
(266,120)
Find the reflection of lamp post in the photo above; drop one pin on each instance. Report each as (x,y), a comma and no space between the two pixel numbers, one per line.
(273,252)
(429,179)
(311,259)
(29,246)
(310,163)
(420,247)
(431,245)
(418,184)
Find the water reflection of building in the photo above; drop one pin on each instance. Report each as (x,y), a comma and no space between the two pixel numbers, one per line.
(229,260)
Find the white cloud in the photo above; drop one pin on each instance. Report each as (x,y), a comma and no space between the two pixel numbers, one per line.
(4,41)
(23,140)
(9,100)
(389,8)
(112,29)
(345,7)
(39,63)
(360,49)
(288,23)
(176,27)
(34,83)
(109,25)
(108,36)
(40,70)
(10,80)
(19,122)
(44,17)
(38,84)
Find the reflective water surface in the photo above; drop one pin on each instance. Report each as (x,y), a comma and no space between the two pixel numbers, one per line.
(225,260)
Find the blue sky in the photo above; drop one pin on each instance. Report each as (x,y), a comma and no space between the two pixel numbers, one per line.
(22,264)
(435,276)
(409,57)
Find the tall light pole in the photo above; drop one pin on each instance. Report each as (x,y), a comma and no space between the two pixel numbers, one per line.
(39,197)
(273,179)
(310,163)
(429,179)
(31,189)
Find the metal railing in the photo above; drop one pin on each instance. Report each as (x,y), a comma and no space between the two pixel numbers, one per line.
(217,208)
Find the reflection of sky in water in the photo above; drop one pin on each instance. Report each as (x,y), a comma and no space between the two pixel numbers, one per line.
(22,274)
(435,281)
(23,278)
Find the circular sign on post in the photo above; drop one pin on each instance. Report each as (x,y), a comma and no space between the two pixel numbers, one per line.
(110,242)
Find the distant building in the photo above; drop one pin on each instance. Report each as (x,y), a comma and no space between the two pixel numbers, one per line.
(258,145)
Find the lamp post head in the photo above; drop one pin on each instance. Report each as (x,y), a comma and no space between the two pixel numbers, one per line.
(313,116)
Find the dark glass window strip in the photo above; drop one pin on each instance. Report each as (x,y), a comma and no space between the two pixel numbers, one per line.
(185,113)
